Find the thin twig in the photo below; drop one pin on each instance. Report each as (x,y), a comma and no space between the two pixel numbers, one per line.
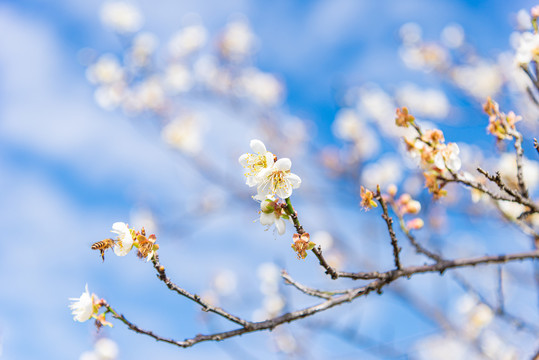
(418,247)
(304,289)
(389,223)
(205,306)
(501,301)
(512,319)
(316,250)
(440,266)
(381,280)
(519,160)
(515,196)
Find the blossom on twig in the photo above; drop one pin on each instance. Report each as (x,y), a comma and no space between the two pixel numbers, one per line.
(271,212)
(125,238)
(302,244)
(277,180)
(254,163)
(367,199)
(83,307)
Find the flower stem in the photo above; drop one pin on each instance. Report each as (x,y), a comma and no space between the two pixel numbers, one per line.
(317,250)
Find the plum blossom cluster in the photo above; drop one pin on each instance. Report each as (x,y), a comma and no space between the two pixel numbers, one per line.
(86,307)
(450,57)
(404,205)
(500,125)
(147,79)
(437,159)
(127,239)
(273,181)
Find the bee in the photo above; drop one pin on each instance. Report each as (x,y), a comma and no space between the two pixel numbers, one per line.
(103,245)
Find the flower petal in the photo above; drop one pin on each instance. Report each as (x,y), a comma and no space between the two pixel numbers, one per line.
(258,146)
(285,191)
(270,159)
(280,225)
(243,160)
(267,219)
(283,164)
(295,180)
(251,181)
(118,227)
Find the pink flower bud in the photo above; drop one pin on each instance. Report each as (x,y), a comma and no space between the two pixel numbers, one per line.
(413,207)
(534,12)
(415,224)
(404,199)
(392,190)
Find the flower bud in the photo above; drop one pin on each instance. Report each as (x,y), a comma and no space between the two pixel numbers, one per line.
(267,206)
(392,190)
(404,199)
(413,207)
(415,224)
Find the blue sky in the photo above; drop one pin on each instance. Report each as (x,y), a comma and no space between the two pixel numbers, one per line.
(68,169)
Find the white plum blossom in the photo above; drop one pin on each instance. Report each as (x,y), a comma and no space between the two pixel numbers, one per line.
(82,308)
(528,48)
(254,163)
(277,180)
(106,70)
(448,157)
(272,214)
(125,240)
(121,16)
(188,40)
(237,41)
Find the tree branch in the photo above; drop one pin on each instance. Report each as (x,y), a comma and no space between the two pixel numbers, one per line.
(316,250)
(205,306)
(389,223)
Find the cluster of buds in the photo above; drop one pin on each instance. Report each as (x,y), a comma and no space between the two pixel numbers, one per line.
(404,205)
(127,239)
(302,244)
(87,306)
(436,158)
(404,119)
(500,125)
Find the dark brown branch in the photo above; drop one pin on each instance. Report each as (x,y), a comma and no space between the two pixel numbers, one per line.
(440,266)
(389,223)
(381,280)
(316,250)
(536,145)
(304,289)
(205,306)
(418,247)
(515,196)
(478,186)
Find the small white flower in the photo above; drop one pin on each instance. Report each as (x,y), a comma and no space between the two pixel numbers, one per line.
(82,308)
(448,158)
(254,163)
(277,180)
(270,215)
(125,240)
(528,48)
(122,17)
